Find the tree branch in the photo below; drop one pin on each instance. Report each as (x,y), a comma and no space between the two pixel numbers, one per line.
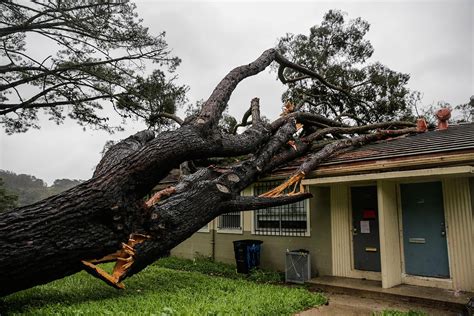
(286,63)
(247,203)
(255,107)
(212,109)
(356,129)
(244,121)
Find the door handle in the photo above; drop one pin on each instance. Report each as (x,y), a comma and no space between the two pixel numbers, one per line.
(354,231)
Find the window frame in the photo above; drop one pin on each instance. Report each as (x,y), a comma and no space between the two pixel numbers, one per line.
(239,231)
(279,233)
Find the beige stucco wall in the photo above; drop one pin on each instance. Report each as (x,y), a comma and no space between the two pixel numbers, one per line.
(273,247)
(197,245)
(329,242)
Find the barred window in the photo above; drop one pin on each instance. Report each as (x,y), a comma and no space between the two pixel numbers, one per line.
(229,221)
(285,220)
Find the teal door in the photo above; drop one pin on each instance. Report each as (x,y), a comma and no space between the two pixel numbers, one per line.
(424,230)
(365,228)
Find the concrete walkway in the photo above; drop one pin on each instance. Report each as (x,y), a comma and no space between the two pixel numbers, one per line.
(348,305)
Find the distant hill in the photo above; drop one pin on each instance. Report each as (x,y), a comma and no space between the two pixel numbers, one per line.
(30,189)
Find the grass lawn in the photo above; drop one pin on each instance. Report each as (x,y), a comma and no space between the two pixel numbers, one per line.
(160,291)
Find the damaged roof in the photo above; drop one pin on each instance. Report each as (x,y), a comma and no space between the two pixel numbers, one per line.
(435,143)
(455,138)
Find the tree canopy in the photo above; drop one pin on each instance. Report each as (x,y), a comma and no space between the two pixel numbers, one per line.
(352,88)
(7,199)
(28,189)
(86,55)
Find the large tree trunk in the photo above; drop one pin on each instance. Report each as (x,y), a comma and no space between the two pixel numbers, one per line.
(52,238)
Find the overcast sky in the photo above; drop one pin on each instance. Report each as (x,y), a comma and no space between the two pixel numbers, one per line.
(430,40)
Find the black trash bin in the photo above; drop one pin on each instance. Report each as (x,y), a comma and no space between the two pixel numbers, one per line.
(247,254)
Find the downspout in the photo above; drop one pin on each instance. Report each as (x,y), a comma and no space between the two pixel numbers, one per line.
(213,240)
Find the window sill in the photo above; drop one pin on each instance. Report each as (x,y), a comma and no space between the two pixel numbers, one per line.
(306,234)
(230,231)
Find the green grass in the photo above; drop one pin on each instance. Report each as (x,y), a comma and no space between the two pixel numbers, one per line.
(159,291)
(209,267)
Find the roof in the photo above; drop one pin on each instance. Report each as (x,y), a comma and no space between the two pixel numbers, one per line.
(431,148)
(435,143)
(455,138)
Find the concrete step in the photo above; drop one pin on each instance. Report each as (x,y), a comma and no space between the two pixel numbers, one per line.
(427,296)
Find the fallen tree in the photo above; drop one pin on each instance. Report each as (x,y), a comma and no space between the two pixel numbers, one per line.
(107,219)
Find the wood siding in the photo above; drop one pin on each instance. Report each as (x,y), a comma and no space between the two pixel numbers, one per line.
(340,231)
(460,229)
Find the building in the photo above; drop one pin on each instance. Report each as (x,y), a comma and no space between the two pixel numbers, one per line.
(398,211)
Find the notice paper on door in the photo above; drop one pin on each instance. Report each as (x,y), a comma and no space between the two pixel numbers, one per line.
(364,227)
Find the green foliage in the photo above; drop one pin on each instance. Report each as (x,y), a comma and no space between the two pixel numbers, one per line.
(227,123)
(389,312)
(153,96)
(159,291)
(93,54)
(337,49)
(266,276)
(7,199)
(214,268)
(30,189)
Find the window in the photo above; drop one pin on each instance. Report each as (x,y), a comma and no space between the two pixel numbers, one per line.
(230,221)
(285,220)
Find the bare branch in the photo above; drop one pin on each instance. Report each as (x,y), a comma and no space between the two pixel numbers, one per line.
(244,121)
(356,129)
(286,63)
(212,109)
(255,107)
(247,203)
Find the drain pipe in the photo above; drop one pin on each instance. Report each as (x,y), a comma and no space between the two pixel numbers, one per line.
(213,240)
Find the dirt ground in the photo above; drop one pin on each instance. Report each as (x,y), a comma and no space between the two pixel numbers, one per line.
(346,305)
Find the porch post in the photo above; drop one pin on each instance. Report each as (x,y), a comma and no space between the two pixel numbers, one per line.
(389,234)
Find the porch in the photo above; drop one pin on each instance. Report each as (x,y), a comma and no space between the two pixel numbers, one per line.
(393,215)
(442,299)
